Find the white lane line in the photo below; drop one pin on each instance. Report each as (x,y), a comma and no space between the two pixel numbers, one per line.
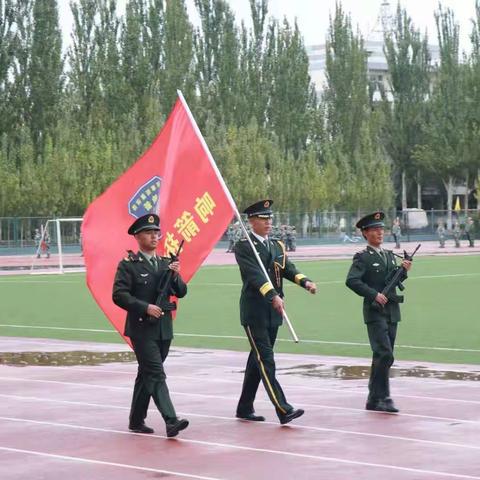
(101,462)
(46,282)
(239,337)
(197,283)
(249,449)
(44,327)
(335,282)
(176,361)
(326,342)
(234,399)
(203,379)
(266,422)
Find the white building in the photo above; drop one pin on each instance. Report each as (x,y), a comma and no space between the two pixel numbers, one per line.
(377,68)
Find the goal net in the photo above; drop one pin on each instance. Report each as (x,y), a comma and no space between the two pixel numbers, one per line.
(58,247)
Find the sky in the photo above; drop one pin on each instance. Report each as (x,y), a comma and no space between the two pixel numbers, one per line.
(313,15)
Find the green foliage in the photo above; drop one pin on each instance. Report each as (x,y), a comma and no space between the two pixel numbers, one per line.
(358,169)
(69,125)
(408,58)
(45,74)
(443,149)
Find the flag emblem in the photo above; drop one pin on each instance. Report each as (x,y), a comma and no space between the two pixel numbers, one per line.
(145,200)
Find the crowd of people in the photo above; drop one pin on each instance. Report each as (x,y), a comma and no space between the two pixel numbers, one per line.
(287,234)
(457,232)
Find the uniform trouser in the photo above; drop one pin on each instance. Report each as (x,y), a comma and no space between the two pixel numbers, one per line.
(381,334)
(261,366)
(397,241)
(151,380)
(470,239)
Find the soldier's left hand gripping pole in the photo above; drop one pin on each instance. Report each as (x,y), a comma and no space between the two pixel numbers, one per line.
(233,205)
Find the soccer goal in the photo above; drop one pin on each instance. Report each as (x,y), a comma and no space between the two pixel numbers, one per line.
(58,247)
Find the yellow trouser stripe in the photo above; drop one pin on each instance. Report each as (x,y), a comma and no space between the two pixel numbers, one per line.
(299,277)
(264,373)
(265,288)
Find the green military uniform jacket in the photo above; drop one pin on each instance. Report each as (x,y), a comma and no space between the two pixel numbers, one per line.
(135,287)
(367,277)
(257,292)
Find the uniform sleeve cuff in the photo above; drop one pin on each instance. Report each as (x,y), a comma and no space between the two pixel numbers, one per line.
(268,291)
(300,279)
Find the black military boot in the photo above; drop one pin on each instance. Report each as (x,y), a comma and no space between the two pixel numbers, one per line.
(176,426)
(141,428)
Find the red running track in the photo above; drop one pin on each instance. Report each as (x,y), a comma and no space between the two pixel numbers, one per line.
(58,422)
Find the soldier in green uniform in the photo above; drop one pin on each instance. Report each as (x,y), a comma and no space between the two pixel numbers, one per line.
(261,307)
(148,325)
(457,233)
(367,277)
(441,234)
(396,232)
(470,232)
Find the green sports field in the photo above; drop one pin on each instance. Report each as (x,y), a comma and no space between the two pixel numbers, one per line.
(441,316)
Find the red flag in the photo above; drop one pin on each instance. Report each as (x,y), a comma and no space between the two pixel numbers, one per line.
(176,177)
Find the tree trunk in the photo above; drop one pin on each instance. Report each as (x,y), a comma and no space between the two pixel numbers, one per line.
(404,191)
(467,180)
(419,192)
(305,222)
(477,186)
(449,188)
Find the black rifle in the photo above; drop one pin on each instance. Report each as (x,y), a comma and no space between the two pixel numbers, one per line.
(394,281)
(164,287)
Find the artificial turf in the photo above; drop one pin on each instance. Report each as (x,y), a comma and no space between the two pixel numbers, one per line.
(440,317)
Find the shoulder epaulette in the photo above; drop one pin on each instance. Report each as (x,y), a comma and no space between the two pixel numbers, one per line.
(132,256)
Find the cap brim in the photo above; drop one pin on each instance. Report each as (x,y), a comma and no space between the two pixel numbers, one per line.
(143,229)
(261,215)
(373,225)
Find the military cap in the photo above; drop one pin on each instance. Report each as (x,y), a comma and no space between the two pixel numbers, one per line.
(374,219)
(146,222)
(260,209)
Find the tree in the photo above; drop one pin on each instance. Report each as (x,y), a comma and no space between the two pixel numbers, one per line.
(443,150)
(408,61)
(7,18)
(177,67)
(472,92)
(292,99)
(346,94)
(217,51)
(84,75)
(45,73)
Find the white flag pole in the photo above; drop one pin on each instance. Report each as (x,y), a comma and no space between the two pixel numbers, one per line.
(233,205)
